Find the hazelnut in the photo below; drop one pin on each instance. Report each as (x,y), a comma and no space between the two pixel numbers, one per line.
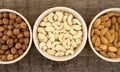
(10,57)
(5,37)
(1,34)
(1,15)
(1,51)
(17,26)
(18,45)
(23,25)
(2,41)
(7,52)
(3,57)
(20,35)
(24,46)
(16,55)
(5,32)
(13,50)
(20,51)
(13,36)
(11,45)
(21,40)
(11,22)
(2,28)
(16,31)
(16,40)
(12,15)
(10,33)
(1,22)
(26,34)
(4,47)
(5,15)
(26,40)
(10,41)
(10,27)
(5,21)
(18,19)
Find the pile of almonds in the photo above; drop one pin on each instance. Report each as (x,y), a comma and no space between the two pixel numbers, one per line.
(14,36)
(105,35)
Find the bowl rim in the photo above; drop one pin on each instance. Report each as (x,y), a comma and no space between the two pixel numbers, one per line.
(89,37)
(28,24)
(41,16)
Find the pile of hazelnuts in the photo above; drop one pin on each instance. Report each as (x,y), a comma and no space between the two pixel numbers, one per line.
(14,36)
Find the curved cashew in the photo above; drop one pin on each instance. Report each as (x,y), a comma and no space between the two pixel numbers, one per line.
(42,44)
(68,42)
(44,48)
(45,19)
(47,24)
(64,43)
(78,35)
(58,54)
(70,17)
(57,25)
(60,48)
(55,17)
(65,18)
(43,40)
(66,26)
(74,43)
(49,45)
(60,15)
(77,27)
(76,21)
(78,41)
(41,30)
(50,17)
(67,36)
(69,52)
(51,52)
(50,29)
(72,31)
(51,36)
(61,37)
(42,24)
(41,36)
(54,44)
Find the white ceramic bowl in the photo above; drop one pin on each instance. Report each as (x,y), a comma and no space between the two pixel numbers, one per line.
(77,51)
(99,14)
(20,57)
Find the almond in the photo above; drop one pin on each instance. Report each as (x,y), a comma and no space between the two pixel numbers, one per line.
(118,52)
(116,26)
(103,53)
(103,31)
(112,38)
(111,54)
(116,39)
(104,18)
(113,20)
(108,35)
(103,47)
(97,49)
(106,23)
(112,49)
(110,14)
(97,32)
(94,38)
(112,31)
(97,42)
(118,20)
(97,22)
(103,40)
(92,32)
(118,44)
(119,32)
(100,27)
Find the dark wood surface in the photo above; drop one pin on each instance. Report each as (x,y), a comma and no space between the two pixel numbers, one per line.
(86,61)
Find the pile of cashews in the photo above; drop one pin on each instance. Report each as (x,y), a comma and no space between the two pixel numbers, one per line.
(60,33)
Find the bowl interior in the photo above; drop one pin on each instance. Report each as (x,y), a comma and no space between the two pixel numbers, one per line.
(21,56)
(90,27)
(77,51)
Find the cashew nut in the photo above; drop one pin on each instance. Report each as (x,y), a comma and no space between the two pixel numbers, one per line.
(77,27)
(60,15)
(51,52)
(51,36)
(66,26)
(69,52)
(49,45)
(76,21)
(54,44)
(57,25)
(59,54)
(50,29)
(60,48)
(70,17)
(50,17)
(41,30)
(42,44)
(78,35)
(72,31)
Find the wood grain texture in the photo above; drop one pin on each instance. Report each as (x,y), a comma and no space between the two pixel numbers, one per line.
(86,61)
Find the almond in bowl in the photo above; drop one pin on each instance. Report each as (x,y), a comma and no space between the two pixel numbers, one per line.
(104,35)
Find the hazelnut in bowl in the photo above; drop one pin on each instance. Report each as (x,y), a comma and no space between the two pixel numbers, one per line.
(60,33)
(104,35)
(15,36)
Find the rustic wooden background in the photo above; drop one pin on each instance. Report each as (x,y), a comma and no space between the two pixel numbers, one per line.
(86,61)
